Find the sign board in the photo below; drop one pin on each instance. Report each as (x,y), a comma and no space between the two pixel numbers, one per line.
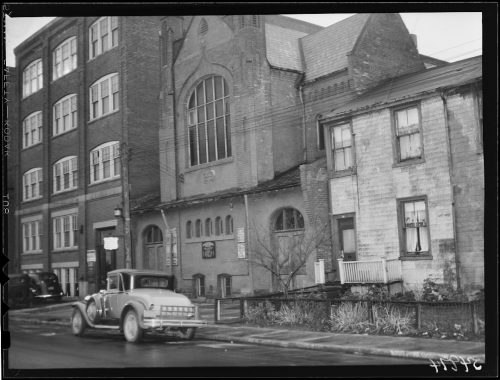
(208,250)
(110,243)
(240,234)
(241,251)
(91,255)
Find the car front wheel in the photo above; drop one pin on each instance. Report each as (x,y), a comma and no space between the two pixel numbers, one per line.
(131,328)
(78,323)
(92,312)
(187,333)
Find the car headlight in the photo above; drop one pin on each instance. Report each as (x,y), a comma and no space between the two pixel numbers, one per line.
(152,306)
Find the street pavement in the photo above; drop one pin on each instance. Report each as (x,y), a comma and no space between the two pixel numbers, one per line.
(408,347)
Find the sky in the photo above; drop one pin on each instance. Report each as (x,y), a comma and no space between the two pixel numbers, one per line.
(450,36)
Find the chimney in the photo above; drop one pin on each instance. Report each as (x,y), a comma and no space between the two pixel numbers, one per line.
(414,39)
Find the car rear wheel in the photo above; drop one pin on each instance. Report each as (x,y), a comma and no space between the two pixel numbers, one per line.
(92,312)
(187,333)
(78,324)
(131,328)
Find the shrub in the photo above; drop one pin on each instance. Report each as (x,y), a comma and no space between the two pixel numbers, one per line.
(262,313)
(392,320)
(350,317)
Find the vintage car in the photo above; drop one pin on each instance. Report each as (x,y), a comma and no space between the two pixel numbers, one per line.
(28,289)
(137,301)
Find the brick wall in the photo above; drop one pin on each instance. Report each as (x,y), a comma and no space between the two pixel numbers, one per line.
(384,50)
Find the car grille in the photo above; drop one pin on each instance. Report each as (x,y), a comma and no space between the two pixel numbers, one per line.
(177,312)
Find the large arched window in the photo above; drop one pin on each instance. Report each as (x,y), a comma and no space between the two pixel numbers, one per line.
(153,241)
(208,121)
(219,229)
(208,227)
(65,174)
(105,162)
(229,225)
(189,229)
(197,228)
(288,219)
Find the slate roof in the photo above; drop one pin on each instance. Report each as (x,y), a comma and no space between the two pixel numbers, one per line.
(282,47)
(413,85)
(326,51)
(288,179)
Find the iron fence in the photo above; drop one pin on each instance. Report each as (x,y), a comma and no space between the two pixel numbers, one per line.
(465,317)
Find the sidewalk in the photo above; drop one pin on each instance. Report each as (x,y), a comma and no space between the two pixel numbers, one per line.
(417,348)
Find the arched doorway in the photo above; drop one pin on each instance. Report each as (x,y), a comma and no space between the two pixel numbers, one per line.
(287,236)
(154,252)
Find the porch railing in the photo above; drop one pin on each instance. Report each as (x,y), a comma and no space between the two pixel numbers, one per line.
(370,271)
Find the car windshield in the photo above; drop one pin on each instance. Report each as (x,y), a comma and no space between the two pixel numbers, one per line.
(48,277)
(152,282)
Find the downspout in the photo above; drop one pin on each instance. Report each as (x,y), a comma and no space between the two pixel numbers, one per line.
(250,270)
(450,169)
(304,134)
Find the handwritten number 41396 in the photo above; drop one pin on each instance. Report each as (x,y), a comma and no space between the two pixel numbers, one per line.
(452,363)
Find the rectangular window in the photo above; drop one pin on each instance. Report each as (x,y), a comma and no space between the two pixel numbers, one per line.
(64,58)
(32,129)
(342,147)
(65,231)
(32,184)
(414,227)
(65,115)
(408,133)
(105,162)
(65,174)
(103,35)
(32,231)
(104,96)
(32,78)
(321,135)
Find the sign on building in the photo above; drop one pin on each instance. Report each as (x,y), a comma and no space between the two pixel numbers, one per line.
(110,243)
(208,250)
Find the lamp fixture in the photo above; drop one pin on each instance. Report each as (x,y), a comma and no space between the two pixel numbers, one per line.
(118,212)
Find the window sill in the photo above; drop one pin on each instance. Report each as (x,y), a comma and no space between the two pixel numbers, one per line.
(65,249)
(33,93)
(101,53)
(102,116)
(64,191)
(342,173)
(415,258)
(31,200)
(30,146)
(206,165)
(65,132)
(62,76)
(413,161)
(33,253)
(104,181)
(209,238)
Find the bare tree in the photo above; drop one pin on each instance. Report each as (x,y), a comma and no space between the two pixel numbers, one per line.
(285,255)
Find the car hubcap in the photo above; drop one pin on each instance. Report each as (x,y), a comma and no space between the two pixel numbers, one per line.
(77,322)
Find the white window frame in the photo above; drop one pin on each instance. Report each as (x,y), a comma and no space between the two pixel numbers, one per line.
(342,146)
(64,58)
(413,132)
(104,91)
(202,120)
(65,230)
(31,229)
(104,33)
(66,167)
(65,115)
(32,184)
(32,78)
(32,129)
(96,162)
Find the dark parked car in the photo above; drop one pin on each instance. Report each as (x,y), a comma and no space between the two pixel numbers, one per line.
(21,290)
(48,287)
(26,290)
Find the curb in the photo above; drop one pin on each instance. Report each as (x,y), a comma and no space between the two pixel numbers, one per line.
(339,348)
(297,344)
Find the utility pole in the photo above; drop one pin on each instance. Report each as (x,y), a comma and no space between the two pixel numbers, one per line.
(126,205)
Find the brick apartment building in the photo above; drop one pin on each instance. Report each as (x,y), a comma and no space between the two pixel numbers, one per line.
(242,151)
(409,185)
(87,128)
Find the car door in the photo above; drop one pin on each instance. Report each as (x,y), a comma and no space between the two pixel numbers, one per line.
(117,296)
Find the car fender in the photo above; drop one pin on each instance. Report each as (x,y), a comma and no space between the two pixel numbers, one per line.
(98,298)
(139,308)
(82,306)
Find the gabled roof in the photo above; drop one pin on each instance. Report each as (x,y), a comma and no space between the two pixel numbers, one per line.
(326,51)
(282,47)
(413,85)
